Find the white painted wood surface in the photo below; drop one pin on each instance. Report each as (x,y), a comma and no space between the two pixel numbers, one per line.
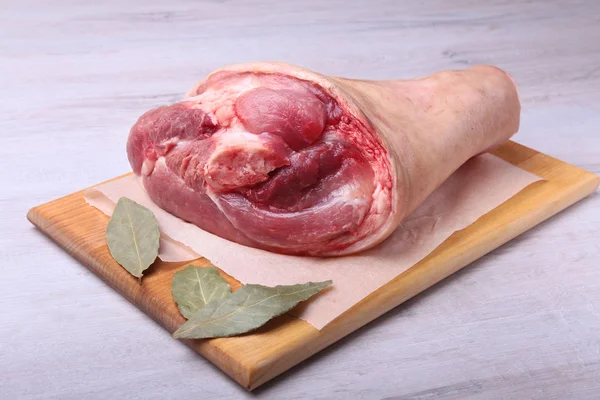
(523,322)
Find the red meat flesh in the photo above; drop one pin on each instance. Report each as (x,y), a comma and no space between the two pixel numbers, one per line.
(265,160)
(298,116)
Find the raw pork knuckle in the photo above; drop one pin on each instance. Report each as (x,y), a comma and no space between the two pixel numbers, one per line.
(281,158)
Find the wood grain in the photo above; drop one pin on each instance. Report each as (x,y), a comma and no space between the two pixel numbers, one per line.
(520,322)
(255,358)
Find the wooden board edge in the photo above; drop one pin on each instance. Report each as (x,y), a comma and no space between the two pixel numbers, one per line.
(235,368)
(250,374)
(410,283)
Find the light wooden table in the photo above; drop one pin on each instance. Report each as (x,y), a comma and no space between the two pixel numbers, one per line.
(523,322)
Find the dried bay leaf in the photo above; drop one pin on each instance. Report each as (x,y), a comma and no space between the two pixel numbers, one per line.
(246,309)
(132,236)
(194,287)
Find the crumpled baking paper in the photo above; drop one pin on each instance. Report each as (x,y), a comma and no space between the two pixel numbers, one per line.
(480,185)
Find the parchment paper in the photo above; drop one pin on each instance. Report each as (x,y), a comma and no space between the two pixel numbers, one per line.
(476,188)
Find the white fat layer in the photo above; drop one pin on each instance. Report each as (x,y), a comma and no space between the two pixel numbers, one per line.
(231,138)
(174,141)
(147,167)
(161,162)
(215,199)
(381,202)
(212,100)
(245,141)
(349,194)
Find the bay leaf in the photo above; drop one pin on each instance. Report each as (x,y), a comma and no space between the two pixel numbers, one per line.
(194,287)
(246,309)
(132,236)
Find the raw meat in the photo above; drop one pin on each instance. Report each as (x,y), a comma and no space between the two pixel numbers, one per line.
(277,157)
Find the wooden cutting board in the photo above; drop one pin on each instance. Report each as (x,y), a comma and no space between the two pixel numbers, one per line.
(255,358)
